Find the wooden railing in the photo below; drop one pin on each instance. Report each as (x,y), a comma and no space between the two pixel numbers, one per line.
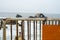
(34,21)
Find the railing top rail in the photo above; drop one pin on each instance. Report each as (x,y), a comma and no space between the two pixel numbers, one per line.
(32,19)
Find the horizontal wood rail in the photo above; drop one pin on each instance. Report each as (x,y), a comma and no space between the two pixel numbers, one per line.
(32,19)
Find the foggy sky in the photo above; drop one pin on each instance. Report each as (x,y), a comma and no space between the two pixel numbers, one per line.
(30,6)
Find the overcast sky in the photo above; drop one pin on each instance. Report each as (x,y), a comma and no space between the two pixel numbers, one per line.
(33,6)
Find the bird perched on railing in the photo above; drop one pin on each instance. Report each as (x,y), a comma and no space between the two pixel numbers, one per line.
(18,16)
(31,16)
(39,15)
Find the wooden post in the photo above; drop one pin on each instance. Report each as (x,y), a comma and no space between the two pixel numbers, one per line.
(11,29)
(1,23)
(22,29)
(40,30)
(55,22)
(17,29)
(46,23)
(28,28)
(34,28)
(58,22)
(4,30)
(49,22)
(52,22)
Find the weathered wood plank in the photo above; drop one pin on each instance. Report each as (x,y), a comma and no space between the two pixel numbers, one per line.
(22,29)
(34,29)
(4,30)
(11,29)
(17,29)
(28,28)
(32,18)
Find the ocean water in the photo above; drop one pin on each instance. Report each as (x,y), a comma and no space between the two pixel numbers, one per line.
(19,30)
(13,14)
